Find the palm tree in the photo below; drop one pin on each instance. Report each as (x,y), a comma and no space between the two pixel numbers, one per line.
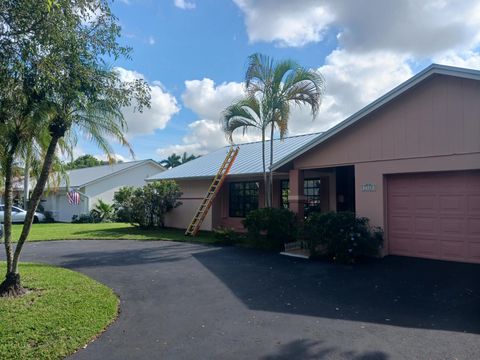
(22,128)
(172,161)
(104,210)
(102,120)
(186,158)
(245,114)
(278,86)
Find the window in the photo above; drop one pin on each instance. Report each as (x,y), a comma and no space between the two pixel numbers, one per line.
(243,197)
(311,190)
(284,191)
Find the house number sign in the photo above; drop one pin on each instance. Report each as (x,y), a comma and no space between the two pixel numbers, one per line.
(369,187)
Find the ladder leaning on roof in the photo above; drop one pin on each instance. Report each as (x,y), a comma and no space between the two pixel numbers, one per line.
(216,184)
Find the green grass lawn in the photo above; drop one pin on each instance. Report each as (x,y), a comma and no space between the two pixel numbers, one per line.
(107,231)
(63,312)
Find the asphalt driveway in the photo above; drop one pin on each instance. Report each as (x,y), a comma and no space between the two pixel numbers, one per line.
(185,301)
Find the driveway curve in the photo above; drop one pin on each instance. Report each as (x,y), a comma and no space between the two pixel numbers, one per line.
(186,301)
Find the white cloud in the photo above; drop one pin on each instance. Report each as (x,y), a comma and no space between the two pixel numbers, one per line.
(163,107)
(117,157)
(353,80)
(151,40)
(467,59)
(289,23)
(203,137)
(207,100)
(184,4)
(378,44)
(411,27)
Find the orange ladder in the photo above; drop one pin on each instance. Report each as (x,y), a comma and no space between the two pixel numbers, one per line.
(215,186)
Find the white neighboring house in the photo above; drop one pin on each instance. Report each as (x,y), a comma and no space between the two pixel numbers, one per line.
(93,183)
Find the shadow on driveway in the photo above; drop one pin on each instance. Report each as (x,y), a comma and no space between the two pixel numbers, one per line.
(398,291)
(314,350)
(123,257)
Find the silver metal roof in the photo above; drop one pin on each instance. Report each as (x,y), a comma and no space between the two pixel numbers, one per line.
(82,177)
(248,161)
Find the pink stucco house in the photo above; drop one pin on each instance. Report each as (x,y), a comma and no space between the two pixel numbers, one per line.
(409,161)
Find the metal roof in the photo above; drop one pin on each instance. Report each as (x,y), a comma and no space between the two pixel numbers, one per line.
(85,176)
(248,161)
(431,70)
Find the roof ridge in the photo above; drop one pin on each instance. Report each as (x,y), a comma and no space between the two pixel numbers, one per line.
(104,165)
(267,140)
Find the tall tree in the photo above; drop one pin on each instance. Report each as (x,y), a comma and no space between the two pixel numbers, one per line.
(74,91)
(278,85)
(85,161)
(172,161)
(243,115)
(186,158)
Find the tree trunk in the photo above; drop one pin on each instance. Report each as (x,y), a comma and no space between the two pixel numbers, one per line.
(270,172)
(11,285)
(7,210)
(26,178)
(265,183)
(35,198)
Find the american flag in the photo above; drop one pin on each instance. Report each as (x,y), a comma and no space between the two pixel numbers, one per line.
(73,197)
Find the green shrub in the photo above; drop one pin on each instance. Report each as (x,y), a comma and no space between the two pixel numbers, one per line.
(90,218)
(271,228)
(146,206)
(49,217)
(342,236)
(102,211)
(122,204)
(226,236)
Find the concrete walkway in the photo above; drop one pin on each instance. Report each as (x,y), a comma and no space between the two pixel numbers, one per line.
(184,301)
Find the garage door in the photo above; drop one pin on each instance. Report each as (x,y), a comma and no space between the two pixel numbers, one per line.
(435,215)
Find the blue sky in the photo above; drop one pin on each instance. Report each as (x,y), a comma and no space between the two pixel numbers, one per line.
(193,55)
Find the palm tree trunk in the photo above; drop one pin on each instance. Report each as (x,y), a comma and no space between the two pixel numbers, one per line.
(265,183)
(35,198)
(7,211)
(26,177)
(270,172)
(11,285)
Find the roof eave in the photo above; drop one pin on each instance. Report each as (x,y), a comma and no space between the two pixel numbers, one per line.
(205,177)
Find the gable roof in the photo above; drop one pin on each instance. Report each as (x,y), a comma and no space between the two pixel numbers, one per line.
(248,161)
(433,69)
(87,176)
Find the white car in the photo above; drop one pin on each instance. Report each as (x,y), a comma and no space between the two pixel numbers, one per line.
(18,215)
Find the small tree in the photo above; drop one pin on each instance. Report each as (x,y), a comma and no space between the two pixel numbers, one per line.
(147,206)
(103,211)
(122,203)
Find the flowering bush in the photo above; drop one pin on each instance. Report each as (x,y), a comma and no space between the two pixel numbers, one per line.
(342,236)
